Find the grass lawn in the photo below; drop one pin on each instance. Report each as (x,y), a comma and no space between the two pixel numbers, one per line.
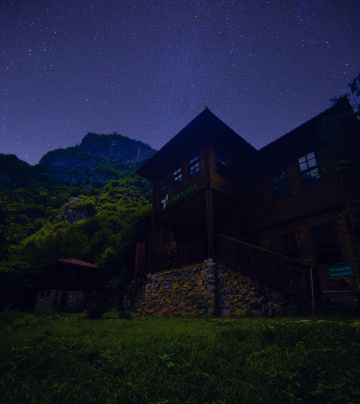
(67,358)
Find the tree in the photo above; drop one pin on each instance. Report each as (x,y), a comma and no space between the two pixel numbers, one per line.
(5,228)
(342,133)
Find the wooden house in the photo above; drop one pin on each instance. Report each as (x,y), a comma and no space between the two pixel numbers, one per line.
(270,215)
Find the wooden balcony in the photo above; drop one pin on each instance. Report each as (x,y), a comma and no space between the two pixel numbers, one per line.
(184,254)
(282,273)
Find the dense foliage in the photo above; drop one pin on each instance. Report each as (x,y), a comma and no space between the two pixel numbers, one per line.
(43,218)
(63,358)
(342,133)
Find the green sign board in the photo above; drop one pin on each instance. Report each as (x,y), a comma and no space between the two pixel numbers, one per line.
(170,200)
(340,271)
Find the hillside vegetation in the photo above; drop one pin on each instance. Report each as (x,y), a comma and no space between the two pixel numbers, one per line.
(88,213)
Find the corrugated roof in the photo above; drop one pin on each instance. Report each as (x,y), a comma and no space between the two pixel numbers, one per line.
(69,262)
(73,261)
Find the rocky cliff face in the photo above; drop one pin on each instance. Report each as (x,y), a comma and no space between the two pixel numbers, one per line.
(96,149)
(98,158)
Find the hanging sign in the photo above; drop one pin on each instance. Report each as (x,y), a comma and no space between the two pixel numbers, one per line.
(167,201)
(340,271)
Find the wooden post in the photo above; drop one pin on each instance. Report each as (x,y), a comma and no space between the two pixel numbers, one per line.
(152,244)
(209,223)
(315,290)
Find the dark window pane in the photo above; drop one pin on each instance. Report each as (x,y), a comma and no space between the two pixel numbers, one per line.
(255,194)
(163,187)
(290,245)
(326,246)
(194,165)
(309,172)
(221,164)
(177,177)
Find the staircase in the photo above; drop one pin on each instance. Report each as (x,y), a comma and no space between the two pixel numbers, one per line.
(288,275)
(129,290)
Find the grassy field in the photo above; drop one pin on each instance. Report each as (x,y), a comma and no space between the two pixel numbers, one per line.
(67,358)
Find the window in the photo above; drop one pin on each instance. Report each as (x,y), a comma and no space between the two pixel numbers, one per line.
(280,186)
(326,247)
(194,165)
(290,245)
(177,177)
(255,194)
(221,164)
(163,187)
(309,170)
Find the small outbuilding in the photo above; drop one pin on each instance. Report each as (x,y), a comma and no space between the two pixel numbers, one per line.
(68,284)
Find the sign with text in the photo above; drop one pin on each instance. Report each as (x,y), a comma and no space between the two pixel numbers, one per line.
(167,201)
(340,271)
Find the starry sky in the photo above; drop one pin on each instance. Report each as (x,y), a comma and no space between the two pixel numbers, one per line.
(146,68)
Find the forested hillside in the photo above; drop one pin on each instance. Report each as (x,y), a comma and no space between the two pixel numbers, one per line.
(45,215)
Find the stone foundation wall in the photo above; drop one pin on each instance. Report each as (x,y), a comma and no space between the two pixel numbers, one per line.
(240,296)
(46,300)
(208,289)
(49,300)
(184,292)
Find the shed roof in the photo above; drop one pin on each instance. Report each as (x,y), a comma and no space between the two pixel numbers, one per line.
(70,262)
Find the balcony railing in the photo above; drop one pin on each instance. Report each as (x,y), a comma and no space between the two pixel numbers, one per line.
(275,270)
(272,269)
(184,254)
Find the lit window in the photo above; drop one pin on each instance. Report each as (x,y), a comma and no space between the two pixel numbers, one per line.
(309,170)
(177,177)
(163,187)
(194,165)
(280,186)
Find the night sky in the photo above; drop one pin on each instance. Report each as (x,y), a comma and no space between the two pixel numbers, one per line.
(146,68)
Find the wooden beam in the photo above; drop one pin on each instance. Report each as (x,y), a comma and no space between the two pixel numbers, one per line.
(209,223)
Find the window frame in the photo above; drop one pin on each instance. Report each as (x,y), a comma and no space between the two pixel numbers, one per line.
(255,194)
(292,239)
(177,177)
(194,165)
(280,183)
(309,170)
(221,166)
(163,187)
(330,247)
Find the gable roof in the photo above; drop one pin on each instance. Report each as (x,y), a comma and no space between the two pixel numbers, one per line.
(204,127)
(295,143)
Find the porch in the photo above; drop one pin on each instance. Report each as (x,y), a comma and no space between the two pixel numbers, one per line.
(267,269)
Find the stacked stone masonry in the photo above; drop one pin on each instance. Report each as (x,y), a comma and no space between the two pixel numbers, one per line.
(50,300)
(208,289)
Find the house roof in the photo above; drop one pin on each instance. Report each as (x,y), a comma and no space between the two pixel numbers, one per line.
(203,128)
(296,142)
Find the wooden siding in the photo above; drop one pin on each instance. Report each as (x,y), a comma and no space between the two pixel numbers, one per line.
(232,211)
(189,185)
(301,202)
(220,182)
